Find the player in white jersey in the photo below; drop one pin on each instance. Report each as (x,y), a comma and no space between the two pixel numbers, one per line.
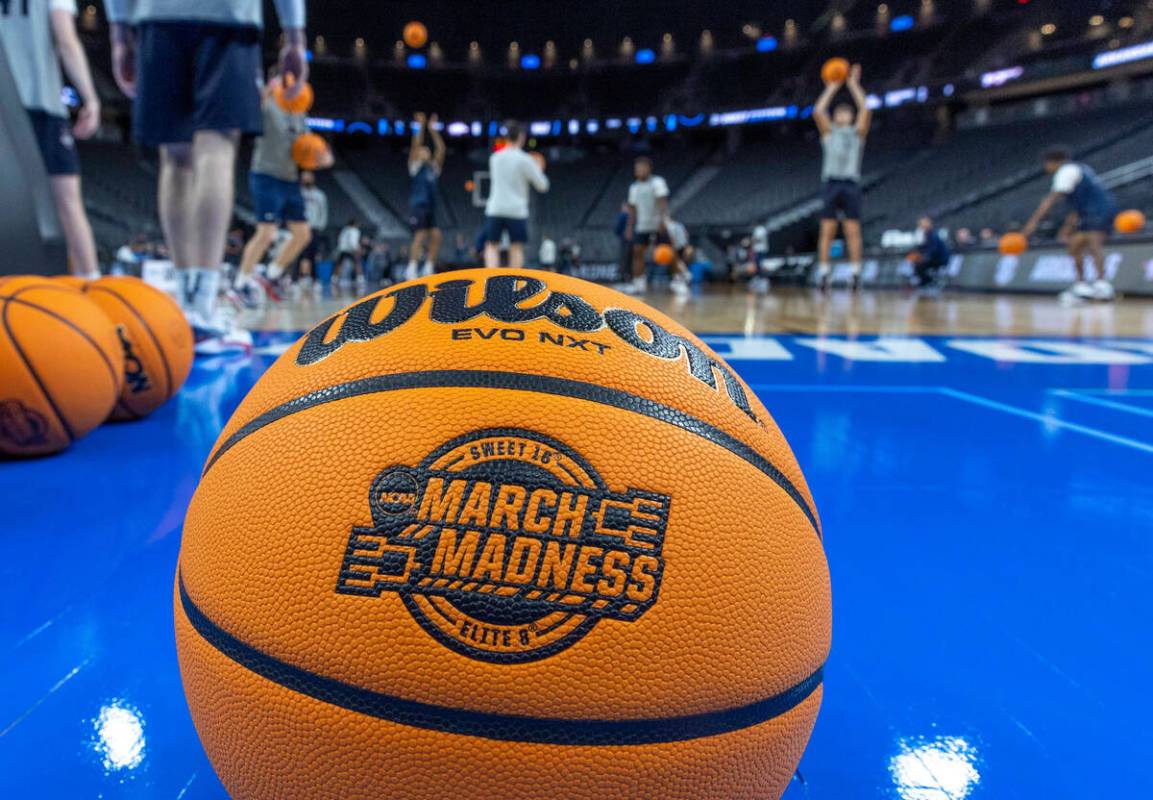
(39,35)
(194,71)
(843,145)
(648,214)
(513,173)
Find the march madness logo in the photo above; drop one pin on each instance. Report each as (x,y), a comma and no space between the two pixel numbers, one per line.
(506,546)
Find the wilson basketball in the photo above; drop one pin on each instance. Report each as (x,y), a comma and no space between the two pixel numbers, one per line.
(75,281)
(415,35)
(156,339)
(664,255)
(60,368)
(528,537)
(835,70)
(1131,221)
(1012,244)
(308,150)
(300,104)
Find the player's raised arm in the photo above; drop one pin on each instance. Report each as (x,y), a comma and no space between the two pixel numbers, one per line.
(864,114)
(293,58)
(417,138)
(821,108)
(438,148)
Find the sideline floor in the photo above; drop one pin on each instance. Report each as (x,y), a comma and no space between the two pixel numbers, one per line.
(987,518)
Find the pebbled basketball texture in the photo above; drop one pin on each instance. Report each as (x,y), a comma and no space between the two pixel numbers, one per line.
(60,367)
(156,338)
(502,534)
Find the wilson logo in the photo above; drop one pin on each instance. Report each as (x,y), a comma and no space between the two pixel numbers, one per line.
(21,425)
(506,546)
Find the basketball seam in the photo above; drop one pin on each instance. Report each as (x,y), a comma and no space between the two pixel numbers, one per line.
(35,375)
(518,381)
(151,335)
(489,725)
(116,375)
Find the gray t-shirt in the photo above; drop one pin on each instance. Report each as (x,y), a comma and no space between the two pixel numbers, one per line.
(222,12)
(315,207)
(26,31)
(272,152)
(843,148)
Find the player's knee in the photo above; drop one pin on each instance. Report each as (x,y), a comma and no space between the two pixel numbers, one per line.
(177,156)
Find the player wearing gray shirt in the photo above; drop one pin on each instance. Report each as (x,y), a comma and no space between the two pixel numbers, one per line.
(843,146)
(39,35)
(193,68)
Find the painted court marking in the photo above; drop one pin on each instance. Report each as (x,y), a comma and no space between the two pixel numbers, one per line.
(1097,401)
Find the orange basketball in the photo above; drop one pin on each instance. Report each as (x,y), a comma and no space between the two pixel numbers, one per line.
(835,70)
(664,255)
(415,35)
(156,339)
(524,534)
(1131,221)
(1013,244)
(308,150)
(294,105)
(59,366)
(470,186)
(75,281)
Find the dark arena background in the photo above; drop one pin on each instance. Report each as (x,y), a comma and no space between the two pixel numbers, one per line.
(974,418)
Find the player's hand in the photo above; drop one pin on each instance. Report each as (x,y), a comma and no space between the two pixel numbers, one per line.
(124,58)
(420,118)
(855,76)
(326,160)
(629,233)
(432,120)
(294,62)
(87,121)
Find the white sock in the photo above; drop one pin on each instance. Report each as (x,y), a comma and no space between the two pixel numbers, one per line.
(185,287)
(855,267)
(429,268)
(207,286)
(823,269)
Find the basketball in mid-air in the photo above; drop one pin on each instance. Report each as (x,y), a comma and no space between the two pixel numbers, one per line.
(835,70)
(664,255)
(1131,221)
(415,35)
(60,366)
(1012,244)
(496,526)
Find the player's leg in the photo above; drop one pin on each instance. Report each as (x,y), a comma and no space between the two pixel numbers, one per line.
(1080,290)
(433,252)
(293,214)
(493,229)
(174,201)
(828,231)
(517,238)
(412,269)
(852,228)
(255,248)
(74,222)
(1095,248)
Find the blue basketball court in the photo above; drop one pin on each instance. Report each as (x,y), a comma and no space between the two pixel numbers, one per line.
(986,510)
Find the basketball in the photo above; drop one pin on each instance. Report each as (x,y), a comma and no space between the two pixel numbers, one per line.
(835,70)
(1013,244)
(309,150)
(497,526)
(156,341)
(664,255)
(415,35)
(1131,221)
(470,186)
(294,105)
(74,281)
(60,368)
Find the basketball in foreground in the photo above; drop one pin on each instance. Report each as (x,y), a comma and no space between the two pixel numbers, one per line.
(156,338)
(525,536)
(60,366)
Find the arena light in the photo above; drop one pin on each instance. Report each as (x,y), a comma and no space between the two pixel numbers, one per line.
(1001,76)
(902,23)
(530,61)
(752,115)
(612,123)
(417,61)
(898,97)
(574,126)
(691,122)
(540,128)
(458,129)
(1126,55)
(592,126)
(646,55)
(358,127)
(767,44)
(325,124)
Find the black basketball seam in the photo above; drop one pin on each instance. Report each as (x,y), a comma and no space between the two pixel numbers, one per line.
(117,376)
(151,335)
(519,381)
(35,375)
(488,725)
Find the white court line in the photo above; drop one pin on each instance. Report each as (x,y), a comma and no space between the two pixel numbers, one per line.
(1120,392)
(1047,420)
(1096,401)
(837,388)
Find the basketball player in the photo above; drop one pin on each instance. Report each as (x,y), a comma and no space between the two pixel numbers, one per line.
(274,180)
(38,36)
(843,143)
(648,214)
(1092,209)
(194,71)
(932,254)
(424,167)
(678,236)
(316,212)
(513,172)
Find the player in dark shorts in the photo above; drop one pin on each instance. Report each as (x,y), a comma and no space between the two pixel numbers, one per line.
(843,145)
(194,71)
(1092,208)
(38,36)
(424,167)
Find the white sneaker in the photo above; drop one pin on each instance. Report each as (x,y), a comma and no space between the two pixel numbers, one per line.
(274,272)
(1103,290)
(1082,290)
(679,286)
(427,269)
(640,285)
(220,334)
(410,272)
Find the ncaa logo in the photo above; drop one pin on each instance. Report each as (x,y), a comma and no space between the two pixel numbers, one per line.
(507,546)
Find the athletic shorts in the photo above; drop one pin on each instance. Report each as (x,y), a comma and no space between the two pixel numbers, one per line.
(650,238)
(1097,221)
(841,198)
(274,200)
(422,218)
(495,227)
(316,248)
(194,76)
(57,147)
